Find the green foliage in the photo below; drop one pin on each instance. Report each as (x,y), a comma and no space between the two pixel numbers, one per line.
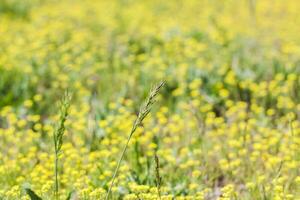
(13,87)
(17,8)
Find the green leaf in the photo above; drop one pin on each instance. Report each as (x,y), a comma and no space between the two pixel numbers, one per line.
(69,195)
(32,194)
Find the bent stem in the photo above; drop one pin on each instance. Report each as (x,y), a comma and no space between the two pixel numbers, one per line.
(144,111)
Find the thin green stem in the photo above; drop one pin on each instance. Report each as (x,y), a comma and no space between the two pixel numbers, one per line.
(56,176)
(144,111)
(157,175)
(118,165)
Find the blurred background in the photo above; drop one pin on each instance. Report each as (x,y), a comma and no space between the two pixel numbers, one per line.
(116,48)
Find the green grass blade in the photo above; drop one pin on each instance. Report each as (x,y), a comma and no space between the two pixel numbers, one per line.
(32,194)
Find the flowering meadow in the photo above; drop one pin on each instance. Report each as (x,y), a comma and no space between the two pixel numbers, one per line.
(223,124)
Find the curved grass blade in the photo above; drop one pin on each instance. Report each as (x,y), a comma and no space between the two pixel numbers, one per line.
(69,195)
(32,194)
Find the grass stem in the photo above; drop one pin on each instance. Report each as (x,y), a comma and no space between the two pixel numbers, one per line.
(144,111)
(58,138)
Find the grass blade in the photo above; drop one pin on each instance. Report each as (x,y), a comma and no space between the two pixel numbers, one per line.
(32,194)
(157,175)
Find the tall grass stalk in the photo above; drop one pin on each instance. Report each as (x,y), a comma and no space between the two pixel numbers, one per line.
(144,111)
(157,175)
(58,136)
